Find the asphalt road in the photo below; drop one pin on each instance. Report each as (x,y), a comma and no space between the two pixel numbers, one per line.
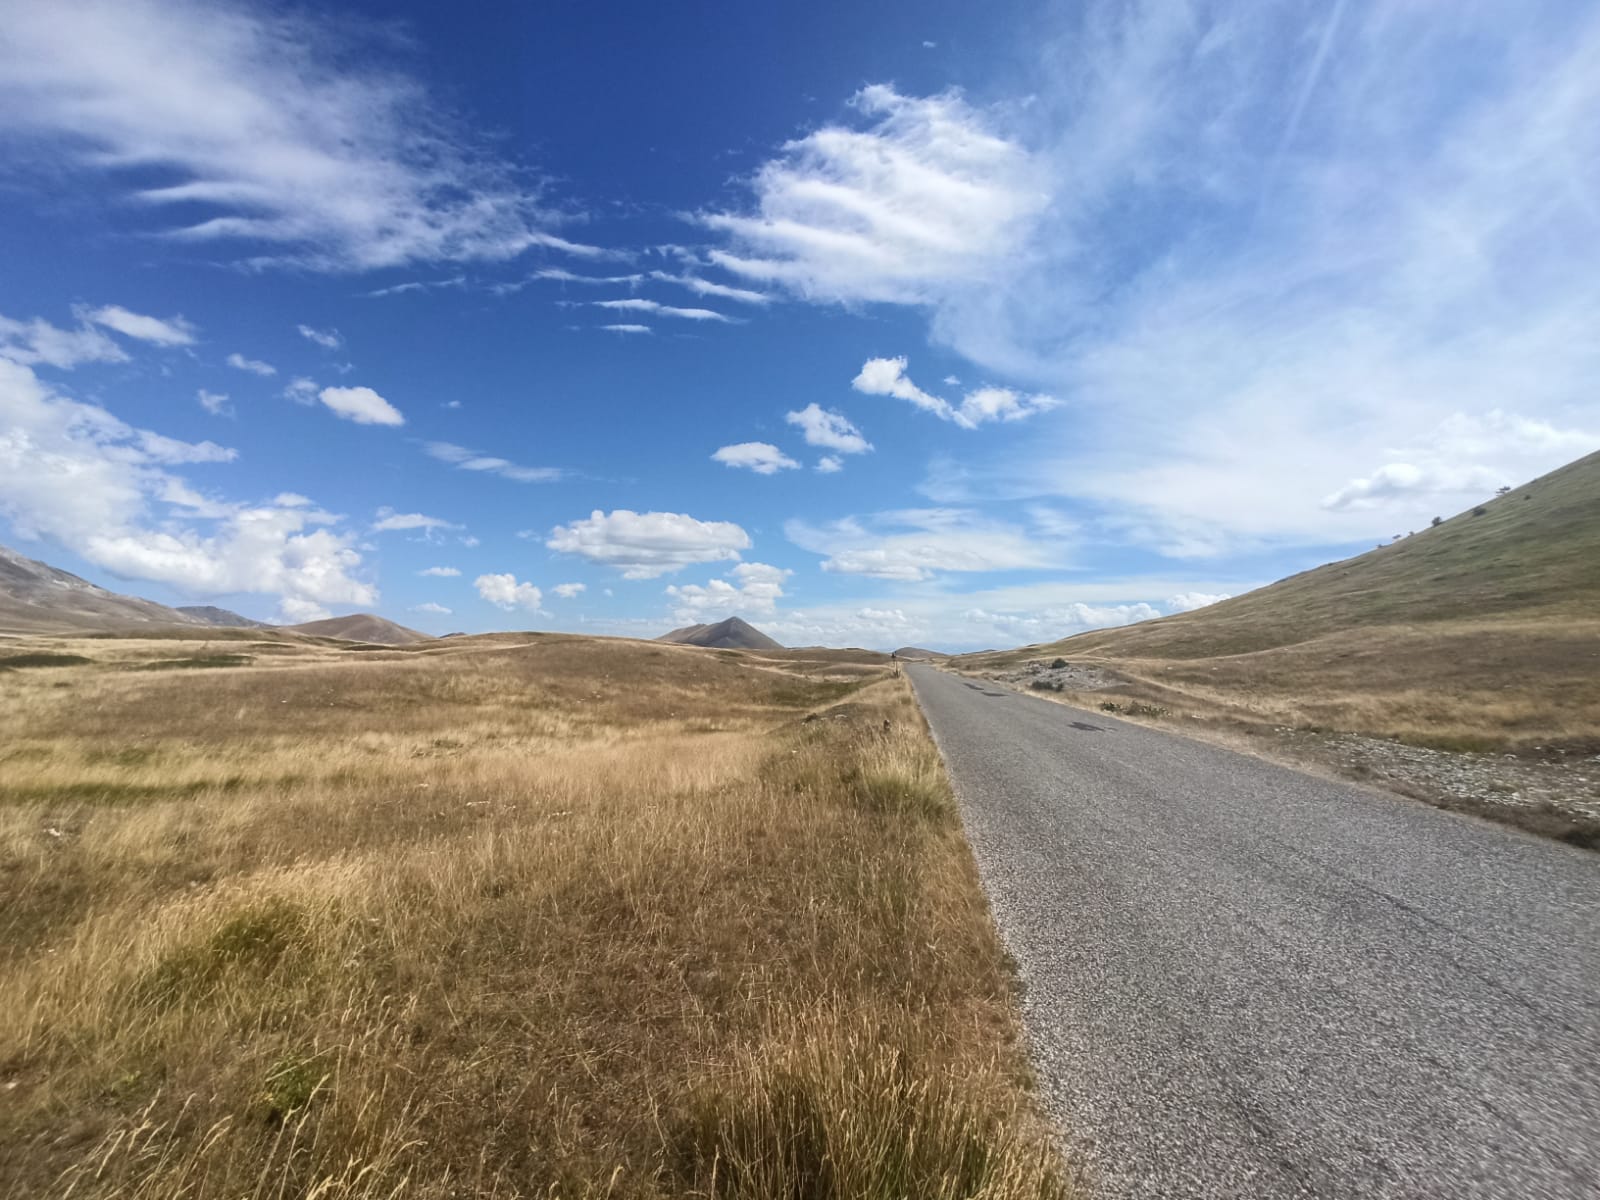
(1240,980)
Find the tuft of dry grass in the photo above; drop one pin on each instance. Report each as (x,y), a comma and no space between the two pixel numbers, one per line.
(508,917)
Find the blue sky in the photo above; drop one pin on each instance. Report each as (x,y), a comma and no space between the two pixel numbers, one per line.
(942,324)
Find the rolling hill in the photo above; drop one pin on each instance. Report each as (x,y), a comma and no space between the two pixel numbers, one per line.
(732,634)
(223,618)
(38,598)
(361,627)
(1480,632)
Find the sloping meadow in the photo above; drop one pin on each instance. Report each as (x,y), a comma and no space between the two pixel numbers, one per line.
(509,917)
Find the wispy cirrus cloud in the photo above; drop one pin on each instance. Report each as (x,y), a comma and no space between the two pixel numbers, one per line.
(914,545)
(1247,304)
(470,460)
(297,139)
(639,304)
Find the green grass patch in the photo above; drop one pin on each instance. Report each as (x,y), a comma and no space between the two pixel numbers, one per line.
(250,943)
(856,1121)
(197,661)
(43,659)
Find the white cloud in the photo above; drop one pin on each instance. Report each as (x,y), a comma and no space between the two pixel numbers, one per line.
(174,331)
(73,474)
(1403,480)
(215,403)
(361,405)
(428,606)
(761,457)
(389,520)
(440,572)
(705,287)
(296,136)
(635,304)
(38,341)
(471,460)
(830,429)
(756,588)
(918,544)
(648,545)
(625,328)
(1189,601)
(830,464)
(568,591)
(923,199)
(301,390)
(887,377)
(503,591)
(328,339)
(254,365)
(296,610)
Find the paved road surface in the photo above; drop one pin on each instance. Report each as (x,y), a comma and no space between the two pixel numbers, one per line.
(1243,981)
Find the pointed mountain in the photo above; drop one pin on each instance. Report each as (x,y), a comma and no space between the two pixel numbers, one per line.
(362,627)
(732,634)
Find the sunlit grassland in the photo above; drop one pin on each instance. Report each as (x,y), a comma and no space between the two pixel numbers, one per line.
(514,916)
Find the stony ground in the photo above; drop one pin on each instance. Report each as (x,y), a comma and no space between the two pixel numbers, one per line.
(1069,677)
(1567,783)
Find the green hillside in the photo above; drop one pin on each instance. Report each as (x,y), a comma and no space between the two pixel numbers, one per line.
(1532,553)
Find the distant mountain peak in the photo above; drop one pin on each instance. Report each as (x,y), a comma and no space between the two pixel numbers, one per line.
(733,633)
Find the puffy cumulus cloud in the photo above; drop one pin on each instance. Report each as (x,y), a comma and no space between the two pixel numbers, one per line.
(830,464)
(761,457)
(471,460)
(361,405)
(389,520)
(440,572)
(428,606)
(503,591)
(922,198)
(280,128)
(887,377)
(569,591)
(38,341)
(916,544)
(1189,601)
(635,304)
(328,339)
(829,429)
(73,474)
(294,610)
(174,331)
(215,403)
(254,365)
(648,545)
(754,588)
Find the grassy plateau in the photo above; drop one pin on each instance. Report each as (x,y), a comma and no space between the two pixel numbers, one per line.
(504,916)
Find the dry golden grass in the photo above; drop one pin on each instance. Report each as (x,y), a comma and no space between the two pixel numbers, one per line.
(1452,685)
(514,916)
